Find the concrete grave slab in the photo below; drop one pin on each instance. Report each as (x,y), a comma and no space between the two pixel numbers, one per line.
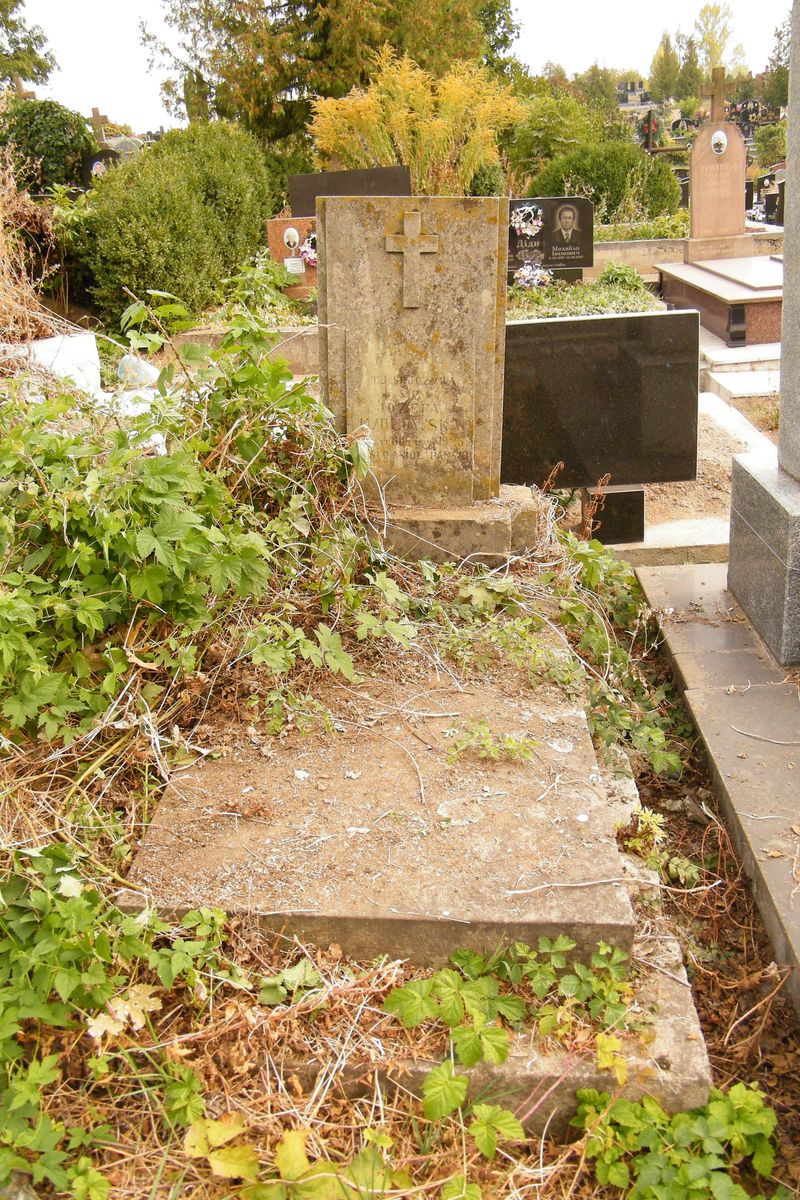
(368,837)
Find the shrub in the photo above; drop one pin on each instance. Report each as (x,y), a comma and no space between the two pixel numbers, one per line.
(770,143)
(49,142)
(179,218)
(622,181)
(446,131)
(553,126)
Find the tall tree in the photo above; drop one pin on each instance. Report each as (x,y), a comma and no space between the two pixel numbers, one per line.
(664,70)
(265,61)
(714,31)
(22,47)
(690,76)
(775,85)
(597,86)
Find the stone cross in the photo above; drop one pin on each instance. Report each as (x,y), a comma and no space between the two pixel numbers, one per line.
(98,122)
(717,90)
(411,243)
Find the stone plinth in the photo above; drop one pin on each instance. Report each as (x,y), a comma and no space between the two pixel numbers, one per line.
(739,299)
(412,324)
(764,562)
(285,237)
(716,182)
(699,249)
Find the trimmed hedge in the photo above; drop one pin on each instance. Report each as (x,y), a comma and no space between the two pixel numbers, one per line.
(620,179)
(49,142)
(179,218)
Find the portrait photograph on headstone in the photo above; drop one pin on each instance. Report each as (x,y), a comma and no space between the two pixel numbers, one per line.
(550,233)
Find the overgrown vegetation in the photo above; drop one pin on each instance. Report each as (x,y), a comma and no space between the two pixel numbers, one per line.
(48,141)
(220,545)
(619,289)
(672,225)
(445,130)
(179,217)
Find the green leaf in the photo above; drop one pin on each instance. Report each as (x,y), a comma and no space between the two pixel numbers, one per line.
(234,1162)
(290,1156)
(459,1189)
(490,1123)
(468,1045)
(443,1091)
(413,1003)
(495,1044)
(447,986)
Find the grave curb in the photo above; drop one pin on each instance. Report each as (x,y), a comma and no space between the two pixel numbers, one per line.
(721,666)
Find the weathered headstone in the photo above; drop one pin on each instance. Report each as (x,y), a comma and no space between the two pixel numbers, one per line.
(717,177)
(304,190)
(412,324)
(764,564)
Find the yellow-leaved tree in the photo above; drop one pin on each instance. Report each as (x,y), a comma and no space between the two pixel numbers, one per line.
(446,131)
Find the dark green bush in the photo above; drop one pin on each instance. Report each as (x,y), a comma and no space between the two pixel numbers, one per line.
(48,140)
(178,218)
(622,181)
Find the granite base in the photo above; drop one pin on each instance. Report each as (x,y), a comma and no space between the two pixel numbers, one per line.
(764,559)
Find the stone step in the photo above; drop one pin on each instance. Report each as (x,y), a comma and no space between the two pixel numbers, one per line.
(716,355)
(379,838)
(744,386)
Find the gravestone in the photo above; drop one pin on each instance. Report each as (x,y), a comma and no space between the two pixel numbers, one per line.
(606,394)
(292,241)
(412,322)
(764,563)
(555,233)
(717,168)
(378,181)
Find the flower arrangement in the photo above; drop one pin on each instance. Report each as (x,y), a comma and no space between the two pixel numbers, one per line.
(526,220)
(308,250)
(530,276)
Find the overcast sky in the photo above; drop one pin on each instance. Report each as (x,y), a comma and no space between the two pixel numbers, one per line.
(102,62)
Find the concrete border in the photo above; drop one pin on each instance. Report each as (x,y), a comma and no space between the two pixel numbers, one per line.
(748,716)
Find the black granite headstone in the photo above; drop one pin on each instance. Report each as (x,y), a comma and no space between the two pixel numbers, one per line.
(607,394)
(781,202)
(748,195)
(771,207)
(554,232)
(378,181)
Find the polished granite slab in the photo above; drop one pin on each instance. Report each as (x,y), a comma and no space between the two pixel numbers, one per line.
(374,181)
(610,395)
(732,280)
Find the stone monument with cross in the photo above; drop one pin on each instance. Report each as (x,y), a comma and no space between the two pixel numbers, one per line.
(717,168)
(412,338)
(98,123)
